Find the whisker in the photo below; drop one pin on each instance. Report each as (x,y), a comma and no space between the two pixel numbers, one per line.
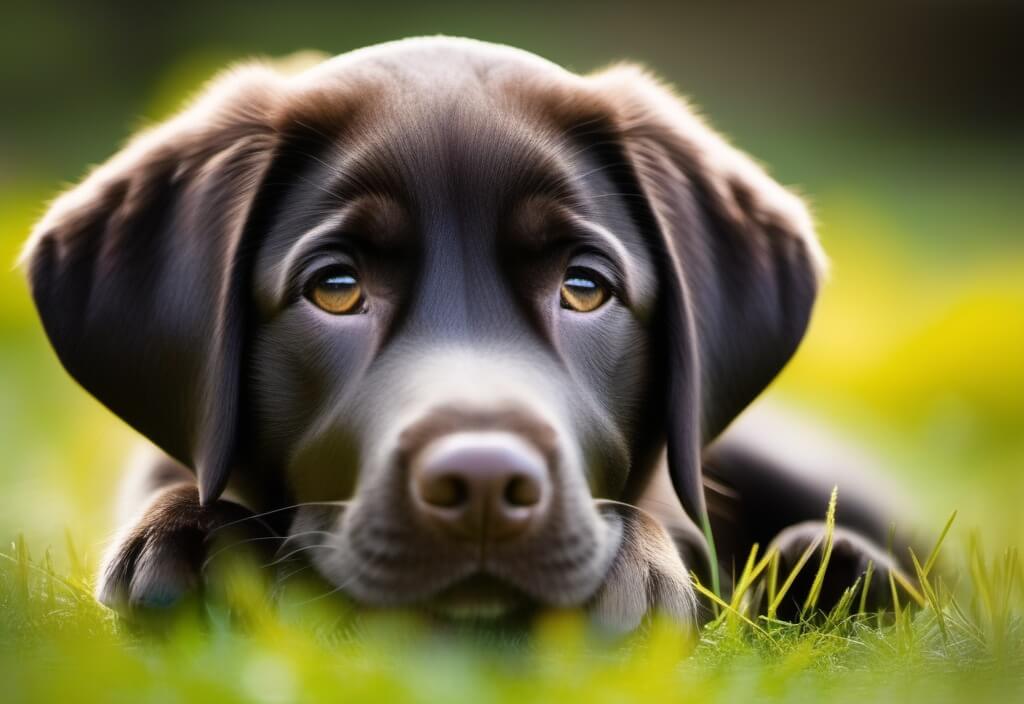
(279,582)
(301,548)
(296,551)
(303,533)
(235,544)
(326,594)
(366,565)
(276,510)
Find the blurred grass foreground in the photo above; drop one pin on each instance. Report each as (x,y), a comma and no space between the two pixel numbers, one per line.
(915,352)
(960,642)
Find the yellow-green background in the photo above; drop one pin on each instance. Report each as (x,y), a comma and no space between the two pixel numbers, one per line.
(899,122)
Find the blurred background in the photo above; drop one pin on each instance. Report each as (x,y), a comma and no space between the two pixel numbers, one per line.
(902,123)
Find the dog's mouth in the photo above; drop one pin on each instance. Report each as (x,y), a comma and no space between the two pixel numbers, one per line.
(561,569)
(479,597)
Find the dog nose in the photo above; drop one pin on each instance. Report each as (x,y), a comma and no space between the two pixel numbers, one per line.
(482,486)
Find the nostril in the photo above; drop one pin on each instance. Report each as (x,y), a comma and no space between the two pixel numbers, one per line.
(523,491)
(445,491)
(476,484)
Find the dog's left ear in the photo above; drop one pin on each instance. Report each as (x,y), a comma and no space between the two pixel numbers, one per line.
(139,272)
(741,264)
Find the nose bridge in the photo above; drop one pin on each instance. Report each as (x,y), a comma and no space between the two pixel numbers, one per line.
(439,301)
(482,374)
(461,291)
(464,384)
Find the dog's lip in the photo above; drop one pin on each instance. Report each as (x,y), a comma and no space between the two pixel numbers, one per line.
(478,584)
(479,596)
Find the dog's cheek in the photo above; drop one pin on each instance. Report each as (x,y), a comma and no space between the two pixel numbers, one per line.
(305,367)
(608,355)
(593,344)
(326,465)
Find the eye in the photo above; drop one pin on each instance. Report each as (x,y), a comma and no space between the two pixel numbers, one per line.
(584,290)
(336,291)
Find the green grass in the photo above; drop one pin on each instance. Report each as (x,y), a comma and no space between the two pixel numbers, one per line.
(962,640)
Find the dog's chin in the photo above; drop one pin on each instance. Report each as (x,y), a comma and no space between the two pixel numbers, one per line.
(463,587)
(479,598)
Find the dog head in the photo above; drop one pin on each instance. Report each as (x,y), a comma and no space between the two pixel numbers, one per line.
(447,287)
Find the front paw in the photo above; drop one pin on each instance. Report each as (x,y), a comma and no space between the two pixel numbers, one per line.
(851,555)
(646,578)
(161,560)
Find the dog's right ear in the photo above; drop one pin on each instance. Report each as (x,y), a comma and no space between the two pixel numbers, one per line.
(741,264)
(138,272)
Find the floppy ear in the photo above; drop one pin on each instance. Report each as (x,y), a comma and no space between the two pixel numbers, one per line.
(138,272)
(741,265)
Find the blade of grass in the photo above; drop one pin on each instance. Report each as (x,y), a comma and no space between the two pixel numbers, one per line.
(747,567)
(931,596)
(51,576)
(773,607)
(897,612)
(24,566)
(78,569)
(712,552)
(751,574)
(722,603)
(934,554)
(811,601)
(868,574)
(841,611)
(896,608)
(773,575)
(907,586)
(976,562)
(23,562)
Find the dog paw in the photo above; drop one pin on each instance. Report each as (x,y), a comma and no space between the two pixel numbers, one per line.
(848,562)
(160,561)
(646,578)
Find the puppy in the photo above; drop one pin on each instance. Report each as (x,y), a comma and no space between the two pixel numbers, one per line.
(446,317)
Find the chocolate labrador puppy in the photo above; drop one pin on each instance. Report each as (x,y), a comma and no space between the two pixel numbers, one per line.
(447,318)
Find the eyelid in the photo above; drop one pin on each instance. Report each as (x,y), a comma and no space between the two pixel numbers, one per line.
(307,273)
(604,269)
(599,242)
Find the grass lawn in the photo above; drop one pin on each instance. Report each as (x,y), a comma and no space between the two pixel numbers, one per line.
(966,643)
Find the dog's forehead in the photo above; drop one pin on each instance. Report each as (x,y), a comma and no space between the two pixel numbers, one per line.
(440,129)
(455,142)
(437,64)
(440,142)
(459,149)
(438,107)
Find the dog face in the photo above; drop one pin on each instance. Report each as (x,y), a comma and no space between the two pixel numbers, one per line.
(479,371)
(443,293)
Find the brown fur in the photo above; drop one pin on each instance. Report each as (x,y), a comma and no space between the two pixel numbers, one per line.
(168,284)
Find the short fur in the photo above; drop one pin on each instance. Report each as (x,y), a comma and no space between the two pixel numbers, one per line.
(462,178)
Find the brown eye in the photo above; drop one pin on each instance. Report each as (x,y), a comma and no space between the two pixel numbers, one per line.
(338,292)
(583,291)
